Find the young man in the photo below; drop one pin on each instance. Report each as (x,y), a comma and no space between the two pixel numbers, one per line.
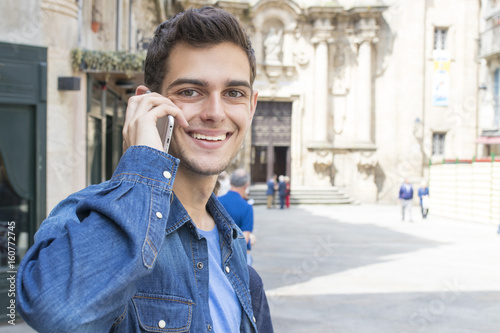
(239,209)
(136,253)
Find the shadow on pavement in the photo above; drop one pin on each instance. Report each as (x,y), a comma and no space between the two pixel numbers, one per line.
(295,246)
(440,312)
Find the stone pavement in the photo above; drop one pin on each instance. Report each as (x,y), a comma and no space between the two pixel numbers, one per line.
(361,269)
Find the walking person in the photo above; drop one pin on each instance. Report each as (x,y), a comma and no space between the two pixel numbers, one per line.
(288,191)
(240,210)
(406,199)
(423,194)
(282,191)
(153,249)
(271,191)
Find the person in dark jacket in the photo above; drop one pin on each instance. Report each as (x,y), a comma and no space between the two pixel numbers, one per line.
(423,194)
(406,198)
(282,191)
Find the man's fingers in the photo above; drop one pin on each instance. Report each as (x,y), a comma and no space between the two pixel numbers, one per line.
(142,114)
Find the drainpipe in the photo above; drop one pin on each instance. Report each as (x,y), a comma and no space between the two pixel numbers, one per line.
(130,25)
(119,14)
(79,20)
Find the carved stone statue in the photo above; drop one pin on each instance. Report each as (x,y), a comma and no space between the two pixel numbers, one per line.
(272,47)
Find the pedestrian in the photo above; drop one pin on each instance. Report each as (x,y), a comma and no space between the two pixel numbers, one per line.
(423,194)
(271,190)
(152,249)
(238,208)
(288,191)
(406,198)
(282,191)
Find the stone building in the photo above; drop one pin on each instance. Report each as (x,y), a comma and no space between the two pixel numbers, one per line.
(489,79)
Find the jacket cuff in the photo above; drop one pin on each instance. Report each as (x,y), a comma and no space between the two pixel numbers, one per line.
(147,165)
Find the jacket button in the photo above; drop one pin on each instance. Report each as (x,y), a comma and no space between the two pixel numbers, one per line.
(167,174)
(159,215)
(162,324)
(209,327)
(227,269)
(254,320)
(199,265)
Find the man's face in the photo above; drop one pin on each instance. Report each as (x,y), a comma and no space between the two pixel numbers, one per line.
(212,88)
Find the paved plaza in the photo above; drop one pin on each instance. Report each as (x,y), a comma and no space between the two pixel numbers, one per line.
(360,269)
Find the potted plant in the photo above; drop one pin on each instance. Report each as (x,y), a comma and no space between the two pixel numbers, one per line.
(96,19)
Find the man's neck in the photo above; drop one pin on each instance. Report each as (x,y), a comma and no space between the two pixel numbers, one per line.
(239,190)
(193,191)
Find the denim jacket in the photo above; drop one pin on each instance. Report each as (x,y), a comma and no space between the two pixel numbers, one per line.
(124,256)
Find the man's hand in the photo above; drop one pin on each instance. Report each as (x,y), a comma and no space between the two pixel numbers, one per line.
(143,111)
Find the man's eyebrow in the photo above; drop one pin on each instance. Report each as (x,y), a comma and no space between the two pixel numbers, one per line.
(236,83)
(180,81)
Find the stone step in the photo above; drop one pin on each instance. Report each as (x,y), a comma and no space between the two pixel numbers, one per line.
(304,195)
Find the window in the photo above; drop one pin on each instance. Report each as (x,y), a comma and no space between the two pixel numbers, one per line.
(104,127)
(438,143)
(440,38)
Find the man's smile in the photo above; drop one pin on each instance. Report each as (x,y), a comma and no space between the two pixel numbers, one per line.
(207,137)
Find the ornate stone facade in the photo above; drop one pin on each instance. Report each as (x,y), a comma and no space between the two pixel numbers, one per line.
(358,75)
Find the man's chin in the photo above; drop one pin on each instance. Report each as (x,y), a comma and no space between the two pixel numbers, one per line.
(202,169)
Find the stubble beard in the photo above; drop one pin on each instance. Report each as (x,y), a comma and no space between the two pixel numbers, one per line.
(193,165)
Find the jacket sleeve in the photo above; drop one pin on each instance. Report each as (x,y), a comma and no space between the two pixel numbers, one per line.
(81,271)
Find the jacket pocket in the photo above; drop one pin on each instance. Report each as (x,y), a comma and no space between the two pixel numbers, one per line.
(162,313)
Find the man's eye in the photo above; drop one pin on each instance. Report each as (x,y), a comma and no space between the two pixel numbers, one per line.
(188,93)
(234,93)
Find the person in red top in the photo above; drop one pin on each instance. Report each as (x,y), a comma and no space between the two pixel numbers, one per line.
(287,191)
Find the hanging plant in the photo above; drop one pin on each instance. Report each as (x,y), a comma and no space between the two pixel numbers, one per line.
(107,61)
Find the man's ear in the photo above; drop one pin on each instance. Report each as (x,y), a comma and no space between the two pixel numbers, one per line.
(141,90)
(253,103)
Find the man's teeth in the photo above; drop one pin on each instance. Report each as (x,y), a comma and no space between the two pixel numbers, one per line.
(210,138)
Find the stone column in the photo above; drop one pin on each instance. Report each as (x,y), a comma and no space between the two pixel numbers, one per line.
(364,77)
(364,94)
(320,112)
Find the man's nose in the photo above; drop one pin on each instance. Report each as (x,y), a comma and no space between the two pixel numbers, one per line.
(214,109)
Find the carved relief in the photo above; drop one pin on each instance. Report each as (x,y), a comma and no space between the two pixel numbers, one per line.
(323,162)
(367,162)
(302,53)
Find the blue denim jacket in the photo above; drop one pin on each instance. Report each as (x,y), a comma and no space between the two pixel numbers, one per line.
(124,256)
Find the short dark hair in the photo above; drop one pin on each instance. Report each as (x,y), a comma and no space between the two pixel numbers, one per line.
(199,28)
(239,178)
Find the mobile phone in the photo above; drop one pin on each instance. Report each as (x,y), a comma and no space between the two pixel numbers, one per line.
(165,127)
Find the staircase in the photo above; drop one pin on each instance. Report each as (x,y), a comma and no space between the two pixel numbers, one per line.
(303,195)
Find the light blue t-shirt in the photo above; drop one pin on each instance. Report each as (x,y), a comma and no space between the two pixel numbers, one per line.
(225,308)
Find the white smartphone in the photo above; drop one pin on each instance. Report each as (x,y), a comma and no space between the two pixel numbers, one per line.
(165,127)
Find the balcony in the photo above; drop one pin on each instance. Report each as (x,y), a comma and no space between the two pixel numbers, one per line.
(489,42)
